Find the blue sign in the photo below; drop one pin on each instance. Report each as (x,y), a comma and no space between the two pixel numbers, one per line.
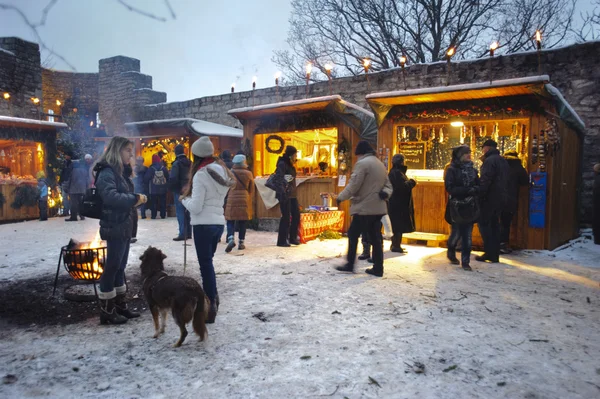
(537,200)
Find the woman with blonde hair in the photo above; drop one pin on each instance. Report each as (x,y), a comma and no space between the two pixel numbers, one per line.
(116,225)
(204,197)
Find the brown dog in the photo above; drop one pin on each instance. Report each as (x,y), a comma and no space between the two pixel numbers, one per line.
(183,295)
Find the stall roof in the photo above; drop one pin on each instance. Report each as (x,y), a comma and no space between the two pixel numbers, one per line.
(161,127)
(383,102)
(12,121)
(367,128)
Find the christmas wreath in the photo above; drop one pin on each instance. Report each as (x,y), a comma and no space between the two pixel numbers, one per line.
(277,150)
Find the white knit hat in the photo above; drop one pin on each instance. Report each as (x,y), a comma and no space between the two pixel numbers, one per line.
(203,147)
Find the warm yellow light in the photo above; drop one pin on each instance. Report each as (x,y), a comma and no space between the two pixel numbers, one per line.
(233,85)
(39,147)
(35,100)
(367,63)
(308,68)
(402,60)
(494,46)
(277,74)
(91,123)
(457,123)
(329,67)
(451,52)
(58,103)
(6,96)
(538,35)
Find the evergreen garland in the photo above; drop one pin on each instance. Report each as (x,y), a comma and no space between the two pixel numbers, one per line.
(25,195)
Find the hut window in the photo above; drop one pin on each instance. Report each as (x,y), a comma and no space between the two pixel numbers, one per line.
(50,115)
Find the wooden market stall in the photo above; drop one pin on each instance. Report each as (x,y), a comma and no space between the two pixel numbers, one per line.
(27,147)
(325,130)
(154,136)
(527,115)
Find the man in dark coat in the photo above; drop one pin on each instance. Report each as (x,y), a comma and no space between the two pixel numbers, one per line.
(76,186)
(226,158)
(596,207)
(288,199)
(518,177)
(157,177)
(178,180)
(400,206)
(494,199)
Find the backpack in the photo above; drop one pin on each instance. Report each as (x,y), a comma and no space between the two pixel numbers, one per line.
(159,178)
(91,204)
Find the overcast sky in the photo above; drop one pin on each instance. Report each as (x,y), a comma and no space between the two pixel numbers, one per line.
(209,45)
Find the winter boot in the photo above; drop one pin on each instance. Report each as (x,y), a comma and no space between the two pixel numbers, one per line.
(212,312)
(241,245)
(451,255)
(374,272)
(121,307)
(108,313)
(366,252)
(348,267)
(230,244)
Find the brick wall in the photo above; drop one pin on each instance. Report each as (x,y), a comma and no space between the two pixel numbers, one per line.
(73,90)
(20,76)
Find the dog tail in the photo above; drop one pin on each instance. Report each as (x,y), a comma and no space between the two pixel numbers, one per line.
(200,315)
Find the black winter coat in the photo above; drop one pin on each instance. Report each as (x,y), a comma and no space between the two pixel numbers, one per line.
(400,206)
(118,201)
(180,174)
(79,178)
(494,184)
(285,167)
(455,186)
(149,176)
(518,177)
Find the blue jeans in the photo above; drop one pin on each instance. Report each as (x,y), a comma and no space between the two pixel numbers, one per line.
(464,232)
(113,276)
(241,224)
(206,239)
(183,218)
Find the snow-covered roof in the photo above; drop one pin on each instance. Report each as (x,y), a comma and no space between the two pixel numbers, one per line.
(26,121)
(564,108)
(286,104)
(463,87)
(357,108)
(195,126)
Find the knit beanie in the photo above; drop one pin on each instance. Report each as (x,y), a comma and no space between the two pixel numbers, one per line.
(363,147)
(239,159)
(203,147)
(458,152)
(290,150)
(179,149)
(155,158)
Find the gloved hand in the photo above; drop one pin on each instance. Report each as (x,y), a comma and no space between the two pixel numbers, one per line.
(413,182)
(383,195)
(338,202)
(142,199)
(288,178)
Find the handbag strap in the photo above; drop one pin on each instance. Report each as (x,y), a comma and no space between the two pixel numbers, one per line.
(238,179)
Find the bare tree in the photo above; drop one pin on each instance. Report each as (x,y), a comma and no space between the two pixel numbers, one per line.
(35,26)
(346,31)
(590,26)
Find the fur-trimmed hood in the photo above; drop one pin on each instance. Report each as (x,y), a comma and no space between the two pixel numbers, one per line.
(222,176)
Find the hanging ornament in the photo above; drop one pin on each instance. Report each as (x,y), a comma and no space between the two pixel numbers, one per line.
(463,131)
(441,140)
(419,133)
(404,133)
(515,129)
(496,132)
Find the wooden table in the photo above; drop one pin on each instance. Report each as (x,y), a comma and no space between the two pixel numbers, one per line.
(314,223)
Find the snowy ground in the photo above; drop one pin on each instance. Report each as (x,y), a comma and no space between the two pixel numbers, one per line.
(525,328)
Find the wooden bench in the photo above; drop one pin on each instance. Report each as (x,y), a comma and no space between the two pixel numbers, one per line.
(431,239)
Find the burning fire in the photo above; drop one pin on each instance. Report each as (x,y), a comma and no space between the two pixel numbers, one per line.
(90,270)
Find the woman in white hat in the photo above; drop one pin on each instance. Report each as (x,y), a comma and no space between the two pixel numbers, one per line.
(203,198)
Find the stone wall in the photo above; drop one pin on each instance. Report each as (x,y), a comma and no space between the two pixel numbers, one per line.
(573,70)
(73,90)
(123,89)
(20,76)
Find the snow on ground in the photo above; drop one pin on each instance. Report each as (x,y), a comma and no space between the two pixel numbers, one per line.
(525,328)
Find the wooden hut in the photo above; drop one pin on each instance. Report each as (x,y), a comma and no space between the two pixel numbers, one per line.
(151,137)
(325,130)
(526,115)
(27,147)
